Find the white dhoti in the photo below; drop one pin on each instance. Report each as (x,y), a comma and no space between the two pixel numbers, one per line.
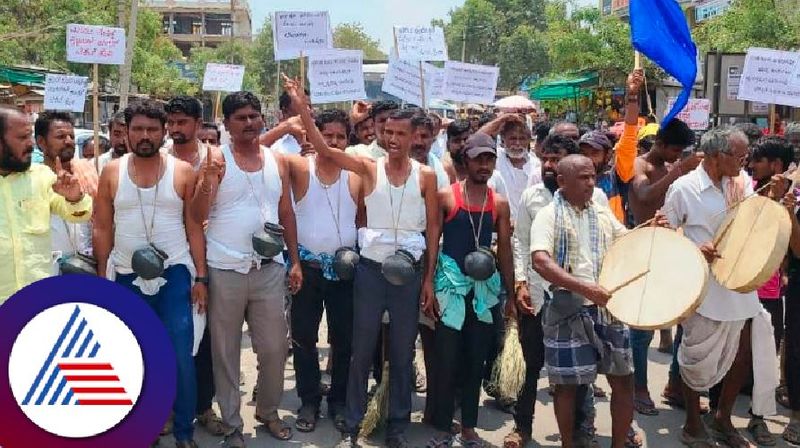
(709,348)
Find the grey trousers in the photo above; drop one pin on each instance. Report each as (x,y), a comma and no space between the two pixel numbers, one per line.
(372,294)
(257,297)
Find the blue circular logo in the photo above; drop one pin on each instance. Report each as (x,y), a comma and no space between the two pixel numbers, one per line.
(89,364)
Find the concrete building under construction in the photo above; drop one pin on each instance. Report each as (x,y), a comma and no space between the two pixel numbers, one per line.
(207,23)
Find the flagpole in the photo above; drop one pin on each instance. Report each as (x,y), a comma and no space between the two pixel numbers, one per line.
(637,60)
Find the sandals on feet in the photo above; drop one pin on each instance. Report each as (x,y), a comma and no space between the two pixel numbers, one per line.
(645,406)
(599,392)
(733,439)
(306,419)
(516,439)
(276,428)
(212,423)
(633,439)
(757,427)
(440,441)
(704,441)
(792,433)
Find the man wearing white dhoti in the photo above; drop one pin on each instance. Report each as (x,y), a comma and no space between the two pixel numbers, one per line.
(719,338)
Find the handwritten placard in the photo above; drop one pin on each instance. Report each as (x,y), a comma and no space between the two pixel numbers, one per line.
(65,92)
(403,81)
(336,76)
(771,76)
(420,43)
(695,114)
(294,32)
(91,44)
(470,83)
(223,77)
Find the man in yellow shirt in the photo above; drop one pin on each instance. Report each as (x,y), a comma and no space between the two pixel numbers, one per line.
(28,195)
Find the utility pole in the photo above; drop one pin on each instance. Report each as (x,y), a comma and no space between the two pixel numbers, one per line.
(464,44)
(125,70)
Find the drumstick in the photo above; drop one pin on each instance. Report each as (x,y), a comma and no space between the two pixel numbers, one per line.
(628,282)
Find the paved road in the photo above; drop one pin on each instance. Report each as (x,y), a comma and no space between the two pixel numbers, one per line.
(659,431)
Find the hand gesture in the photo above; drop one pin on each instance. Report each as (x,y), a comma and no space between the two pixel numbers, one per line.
(307,149)
(211,171)
(200,297)
(294,126)
(635,82)
(709,251)
(360,111)
(295,91)
(523,300)
(295,279)
(597,294)
(690,163)
(66,184)
(427,299)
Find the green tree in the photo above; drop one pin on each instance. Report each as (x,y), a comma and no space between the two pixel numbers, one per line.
(751,23)
(150,72)
(353,36)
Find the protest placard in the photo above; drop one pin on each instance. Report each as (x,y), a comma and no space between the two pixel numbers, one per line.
(65,92)
(223,77)
(336,76)
(695,114)
(296,32)
(420,43)
(470,83)
(92,44)
(771,76)
(402,80)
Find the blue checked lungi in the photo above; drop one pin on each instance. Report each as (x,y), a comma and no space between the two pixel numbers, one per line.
(588,342)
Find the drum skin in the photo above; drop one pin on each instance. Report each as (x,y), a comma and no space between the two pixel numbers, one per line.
(752,241)
(672,289)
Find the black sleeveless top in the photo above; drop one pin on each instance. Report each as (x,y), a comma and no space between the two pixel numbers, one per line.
(458,237)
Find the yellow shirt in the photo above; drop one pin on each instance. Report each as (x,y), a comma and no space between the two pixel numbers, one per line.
(26,201)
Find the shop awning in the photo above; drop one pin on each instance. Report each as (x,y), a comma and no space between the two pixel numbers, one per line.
(566,88)
(18,76)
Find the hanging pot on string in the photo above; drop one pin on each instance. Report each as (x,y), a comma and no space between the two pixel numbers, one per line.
(345,260)
(398,268)
(148,262)
(77,264)
(480,264)
(268,242)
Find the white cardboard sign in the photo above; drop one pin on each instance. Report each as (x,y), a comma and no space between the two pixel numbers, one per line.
(470,83)
(65,92)
(695,114)
(771,76)
(336,76)
(294,32)
(223,77)
(91,44)
(403,81)
(420,43)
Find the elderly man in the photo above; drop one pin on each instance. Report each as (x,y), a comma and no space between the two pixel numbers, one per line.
(581,339)
(720,331)
(28,195)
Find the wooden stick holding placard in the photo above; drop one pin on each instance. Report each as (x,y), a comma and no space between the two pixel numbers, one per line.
(637,60)
(216,105)
(772,118)
(96,115)
(302,71)
(424,104)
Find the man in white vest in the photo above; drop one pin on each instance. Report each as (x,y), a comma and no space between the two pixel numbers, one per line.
(145,240)
(244,194)
(401,204)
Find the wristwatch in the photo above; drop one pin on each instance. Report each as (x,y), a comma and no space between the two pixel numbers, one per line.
(203,280)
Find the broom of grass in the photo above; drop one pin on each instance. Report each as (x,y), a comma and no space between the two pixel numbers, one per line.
(508,373)
(378,406)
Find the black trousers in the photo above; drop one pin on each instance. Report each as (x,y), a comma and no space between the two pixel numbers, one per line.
(307,305)
(532,340)
(791,339)
(428,337)
(497,337)
(460,354)
(205,374)
(775,309)
(372,294)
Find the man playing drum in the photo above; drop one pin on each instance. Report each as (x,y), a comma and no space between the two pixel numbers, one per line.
(716,342)
(569,238)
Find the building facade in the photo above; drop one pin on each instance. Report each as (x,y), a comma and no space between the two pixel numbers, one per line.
(203,23)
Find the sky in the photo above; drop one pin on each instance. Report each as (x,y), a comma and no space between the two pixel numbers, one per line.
(377,16)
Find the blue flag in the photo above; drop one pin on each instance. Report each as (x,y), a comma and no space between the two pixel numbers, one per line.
(660,32)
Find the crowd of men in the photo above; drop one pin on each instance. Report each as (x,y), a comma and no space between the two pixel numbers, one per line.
(398,224)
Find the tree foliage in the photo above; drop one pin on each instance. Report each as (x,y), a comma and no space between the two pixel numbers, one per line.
(353,36)
(751,23)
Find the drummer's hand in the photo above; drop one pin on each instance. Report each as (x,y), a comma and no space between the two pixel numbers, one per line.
(597,294)
(709,251)
(789,201)
(523,299)
(660,220)
(778,187)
